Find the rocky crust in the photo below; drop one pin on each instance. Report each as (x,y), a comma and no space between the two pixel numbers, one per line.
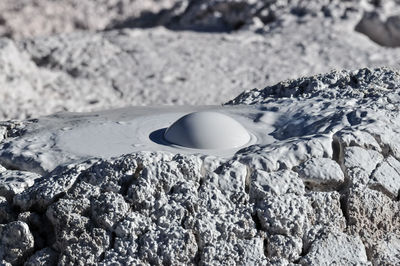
(330,197)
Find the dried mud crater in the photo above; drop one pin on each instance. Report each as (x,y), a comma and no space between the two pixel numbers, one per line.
(326,192)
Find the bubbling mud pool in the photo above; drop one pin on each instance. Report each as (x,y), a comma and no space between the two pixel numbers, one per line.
(198,130)
(221,131)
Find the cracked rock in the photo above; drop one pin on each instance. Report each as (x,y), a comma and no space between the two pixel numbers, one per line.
(387,177)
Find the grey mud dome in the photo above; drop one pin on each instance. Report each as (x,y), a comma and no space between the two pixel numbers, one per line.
(325,192)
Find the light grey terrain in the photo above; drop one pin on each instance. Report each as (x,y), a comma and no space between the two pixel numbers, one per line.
(209,51)
(323,190)
(326,191)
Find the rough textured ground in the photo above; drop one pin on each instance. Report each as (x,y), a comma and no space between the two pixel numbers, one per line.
(227,47)
(23,19)
(326,193)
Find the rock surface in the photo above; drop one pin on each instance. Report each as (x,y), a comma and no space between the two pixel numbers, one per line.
(324,189)
(323,193)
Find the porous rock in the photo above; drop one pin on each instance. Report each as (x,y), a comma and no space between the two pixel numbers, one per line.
(336,248)
(371,214)
(387,251)
(16,242)
(43,257)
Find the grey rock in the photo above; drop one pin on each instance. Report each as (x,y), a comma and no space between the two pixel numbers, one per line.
(286,155)
(357,138)
(387,177)
(337,249)
(286,214)
(21,78)
(381,28)
(264,184)
(87,249)
(3,133)
(16,242)
(371,214)
(327,215)
(108,209)
(158,246)
(367,160)
(41,228)
(281,246)
(327,209)
(16,182)
(77,240)
(336,84)
(387,251)
(45,192)
(321,173)
(222,252)
(43,257)
(6,212)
